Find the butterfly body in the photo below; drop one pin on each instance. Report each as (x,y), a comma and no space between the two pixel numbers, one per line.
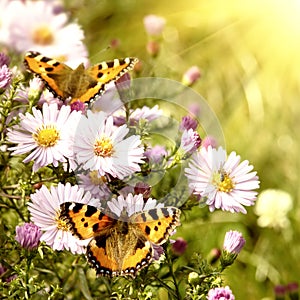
(120,247)
(80,83)
(73,83)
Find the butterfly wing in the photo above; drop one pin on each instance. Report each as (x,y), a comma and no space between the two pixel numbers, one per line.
(157,224)
(85,221)
(79,84)
(104,73)
(139,256)
(110,256)
(99,257)
(51,71)
(119,248)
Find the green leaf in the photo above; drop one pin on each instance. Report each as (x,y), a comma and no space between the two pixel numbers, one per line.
(41,253)
(83,284)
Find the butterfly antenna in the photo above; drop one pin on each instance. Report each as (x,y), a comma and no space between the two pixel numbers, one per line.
(94,57)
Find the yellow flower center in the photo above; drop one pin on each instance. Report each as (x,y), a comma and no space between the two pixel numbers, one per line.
(223,182)
(43,35)
(61,224)
(95,179)
(103,147)
(46,136)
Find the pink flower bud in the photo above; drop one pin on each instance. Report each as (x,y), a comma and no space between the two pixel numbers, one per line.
(179,246)
(187,122)
(143,188)
(156,154)
(5,77)
(115,43)
(233,242)
(190,141)
(209,141)
(194,109)
(153,48)
(154,25)
(78,106)
(28,235)
(280,291)
(4,59)
(191,76)
(220,294)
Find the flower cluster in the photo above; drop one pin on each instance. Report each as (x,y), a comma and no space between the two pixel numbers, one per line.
(119,159)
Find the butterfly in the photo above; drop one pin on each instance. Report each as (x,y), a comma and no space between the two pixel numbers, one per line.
(77,84)
(118,247)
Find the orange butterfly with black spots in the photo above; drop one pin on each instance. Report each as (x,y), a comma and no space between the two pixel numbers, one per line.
(77,84)
(118,247)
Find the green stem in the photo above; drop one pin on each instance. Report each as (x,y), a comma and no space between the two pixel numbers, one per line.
(10,196)
(166,286)
(13,206)
(173,276)
(27,274)
(107,284)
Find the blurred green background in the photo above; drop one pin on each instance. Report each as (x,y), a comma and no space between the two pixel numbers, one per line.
(248,53)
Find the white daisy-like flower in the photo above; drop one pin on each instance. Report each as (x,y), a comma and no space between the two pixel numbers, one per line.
(222,181)
(131,204)
(272,208)
(145,113)
(47,134)
(45,210)
(190,141)
(109,102)
(73,55)
(95,184)
(48,97)
(35,91)
(37,26)
(4,18)
(101,146)
(36,86)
